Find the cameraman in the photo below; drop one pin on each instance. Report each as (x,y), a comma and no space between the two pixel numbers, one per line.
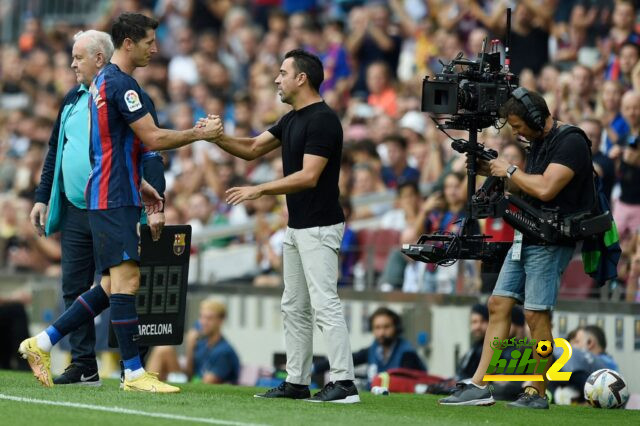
(558,175)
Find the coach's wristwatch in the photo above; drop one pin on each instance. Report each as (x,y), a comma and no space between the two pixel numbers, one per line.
(511,170)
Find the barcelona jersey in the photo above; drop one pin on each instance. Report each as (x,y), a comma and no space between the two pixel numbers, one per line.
(115,151)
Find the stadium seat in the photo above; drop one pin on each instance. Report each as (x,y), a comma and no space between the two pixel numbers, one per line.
(575,283)
(377,243)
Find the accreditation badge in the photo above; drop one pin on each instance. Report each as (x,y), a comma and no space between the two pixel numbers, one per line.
(516,248)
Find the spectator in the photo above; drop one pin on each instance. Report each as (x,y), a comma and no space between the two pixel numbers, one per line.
(591,338)
(529,38)
(388,350)
(603,165)
(406,209)
(623,26)
(581,364)
(478,322)
(334,57)
(622,65)
(371,40)
(398,169)
(182,66)
(209,357)
(608,111)
(580,102)
(441,213)
(626,210)
(382,96)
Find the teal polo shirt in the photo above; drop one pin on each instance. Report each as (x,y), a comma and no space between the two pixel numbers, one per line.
(75,153)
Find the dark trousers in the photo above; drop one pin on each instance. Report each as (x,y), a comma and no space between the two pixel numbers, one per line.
(78,272)
(14,328)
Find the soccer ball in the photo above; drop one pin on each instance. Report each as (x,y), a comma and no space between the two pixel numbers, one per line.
(544,348)
(606,389)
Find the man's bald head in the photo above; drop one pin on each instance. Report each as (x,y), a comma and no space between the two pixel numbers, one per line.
(630,108)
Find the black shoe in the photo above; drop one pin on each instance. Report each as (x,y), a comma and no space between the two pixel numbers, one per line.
(336,392)
(286,390)
(530,398)
(76,374)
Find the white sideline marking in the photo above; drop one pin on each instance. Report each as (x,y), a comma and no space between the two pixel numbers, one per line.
(125,411)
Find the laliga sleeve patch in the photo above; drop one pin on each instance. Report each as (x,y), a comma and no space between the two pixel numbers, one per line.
(132,100)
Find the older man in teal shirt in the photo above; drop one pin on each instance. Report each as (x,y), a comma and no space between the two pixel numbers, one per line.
(60,202)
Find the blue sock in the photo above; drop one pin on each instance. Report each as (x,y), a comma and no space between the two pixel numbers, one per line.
(54,335)
(86,307)
(124,319)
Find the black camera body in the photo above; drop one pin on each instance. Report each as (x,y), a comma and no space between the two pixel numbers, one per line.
(477,91)
(469,94)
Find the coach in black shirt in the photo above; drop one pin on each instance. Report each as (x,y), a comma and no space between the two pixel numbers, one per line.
(311,140)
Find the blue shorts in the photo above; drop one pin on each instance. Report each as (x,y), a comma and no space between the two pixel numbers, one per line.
(115,236)
(534,279)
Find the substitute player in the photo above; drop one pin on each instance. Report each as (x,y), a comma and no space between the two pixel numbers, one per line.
(120,128)
(60,204)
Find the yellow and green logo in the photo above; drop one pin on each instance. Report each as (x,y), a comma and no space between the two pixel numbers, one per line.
(523,366)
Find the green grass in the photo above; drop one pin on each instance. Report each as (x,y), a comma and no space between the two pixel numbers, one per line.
(234,403)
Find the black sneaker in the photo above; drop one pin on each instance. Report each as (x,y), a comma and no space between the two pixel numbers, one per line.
(530,398)
(286,390)
(338,393)
(76,374)
(466,393)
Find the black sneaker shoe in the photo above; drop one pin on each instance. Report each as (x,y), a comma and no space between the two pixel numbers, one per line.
(530,398)
(338,393)
(76,374)
(469,394)
(286,390)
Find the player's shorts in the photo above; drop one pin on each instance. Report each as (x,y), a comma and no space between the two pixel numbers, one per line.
(115,236)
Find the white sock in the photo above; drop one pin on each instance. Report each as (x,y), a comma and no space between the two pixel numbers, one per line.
(470,382)
(133,374)
(43,341)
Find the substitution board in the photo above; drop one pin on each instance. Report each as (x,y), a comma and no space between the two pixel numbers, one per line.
(162,296)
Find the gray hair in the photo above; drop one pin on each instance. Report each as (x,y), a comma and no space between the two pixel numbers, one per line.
(99,42)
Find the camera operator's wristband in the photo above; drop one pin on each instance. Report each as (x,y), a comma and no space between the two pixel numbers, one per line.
(511,170)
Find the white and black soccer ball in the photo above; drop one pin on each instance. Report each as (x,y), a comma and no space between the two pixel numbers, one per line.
(606,389)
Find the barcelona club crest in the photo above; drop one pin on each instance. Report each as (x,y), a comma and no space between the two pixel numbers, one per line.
(179,244)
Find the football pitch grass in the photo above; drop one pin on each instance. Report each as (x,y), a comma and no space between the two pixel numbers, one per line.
(23,401)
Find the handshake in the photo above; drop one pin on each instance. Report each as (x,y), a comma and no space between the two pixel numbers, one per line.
(210,128)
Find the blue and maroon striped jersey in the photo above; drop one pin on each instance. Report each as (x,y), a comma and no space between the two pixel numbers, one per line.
(115,151)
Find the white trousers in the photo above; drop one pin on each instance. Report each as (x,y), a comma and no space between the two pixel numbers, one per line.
(310,270)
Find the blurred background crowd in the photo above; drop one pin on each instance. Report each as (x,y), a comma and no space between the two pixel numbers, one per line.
(399,177)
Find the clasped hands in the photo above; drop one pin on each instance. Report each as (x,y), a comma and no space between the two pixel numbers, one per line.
(210,127)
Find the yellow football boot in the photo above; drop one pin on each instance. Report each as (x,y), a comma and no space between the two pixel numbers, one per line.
(149,382)
(39,360)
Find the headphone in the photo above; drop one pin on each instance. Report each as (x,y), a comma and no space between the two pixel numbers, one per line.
(397,321)
(533,117)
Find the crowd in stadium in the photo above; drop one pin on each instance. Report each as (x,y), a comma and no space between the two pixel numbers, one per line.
(222,57)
